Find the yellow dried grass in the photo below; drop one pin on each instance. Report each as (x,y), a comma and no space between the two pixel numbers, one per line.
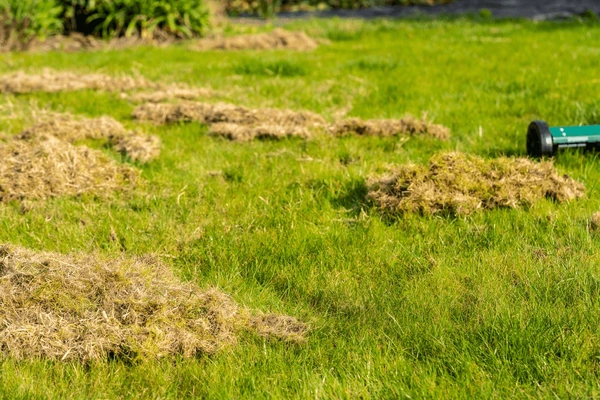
(595,221)
(244,133)
(244,124)
(275,40)
(456,183)
(221,112)
(234,122)
(66,127)
(136,146)
(52,167)
(86,307)
(390,127)
(141,148)
(60,81)
(171,93)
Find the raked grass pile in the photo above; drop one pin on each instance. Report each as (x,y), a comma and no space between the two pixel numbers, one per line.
(50,167)
(135,145)
(57,81)
(460,184)
(135,88)
(278,39)
(240,123)
(85,308)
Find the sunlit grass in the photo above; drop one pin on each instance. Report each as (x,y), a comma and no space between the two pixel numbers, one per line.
(502,303)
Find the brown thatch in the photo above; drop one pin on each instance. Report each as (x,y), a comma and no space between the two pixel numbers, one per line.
(390,127)
(277,39)
(241,123)
(66,127)
(214,113)
(243,133)
(595,221)
(59,81)
(52,167)
(171,113)
(138,147)
(142,148)
(75,42)
(86,307)
(457,183)
(171,93)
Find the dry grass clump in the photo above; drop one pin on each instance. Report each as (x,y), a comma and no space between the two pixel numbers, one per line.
(279,326)
(390,127)
(66,127)
(75,42)
(58,81)
(277,39)
(136,146)
(170,113)
(171,93)
(244,124)
(141,148)
(595,221)
(234,122)
(86,308)
(214,113)
(460,184)
(244,133)
(52,167)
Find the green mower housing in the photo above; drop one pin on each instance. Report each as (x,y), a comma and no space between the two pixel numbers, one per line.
(543,140)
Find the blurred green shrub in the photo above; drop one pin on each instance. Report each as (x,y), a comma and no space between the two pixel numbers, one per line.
(146,18)
(270,7)
(23,20)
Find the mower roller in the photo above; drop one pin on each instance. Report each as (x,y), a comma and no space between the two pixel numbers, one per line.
(544,141)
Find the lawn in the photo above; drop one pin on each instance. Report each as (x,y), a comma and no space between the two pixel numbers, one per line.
(502,303)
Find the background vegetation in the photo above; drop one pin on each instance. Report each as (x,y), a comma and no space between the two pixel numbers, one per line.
(500,304)
(23,20)
(182,18)
(270,7)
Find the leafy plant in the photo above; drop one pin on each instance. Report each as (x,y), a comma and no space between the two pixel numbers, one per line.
(23,20)
(181,18)
(268,8)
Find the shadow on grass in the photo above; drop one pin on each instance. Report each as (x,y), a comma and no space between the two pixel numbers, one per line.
(353,197)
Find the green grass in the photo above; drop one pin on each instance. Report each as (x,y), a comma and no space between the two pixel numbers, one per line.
(500,304)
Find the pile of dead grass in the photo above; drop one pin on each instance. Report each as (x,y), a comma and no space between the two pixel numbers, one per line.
(244,133)
(66,127)
(51,167)
(214,113)
(56,81)
(86,308)
(234,122)
(390,127)
(275,40)
(460,184)
(595,222)
(60,81)
(244,124)
(136,146)
(170,93)
(76,42)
